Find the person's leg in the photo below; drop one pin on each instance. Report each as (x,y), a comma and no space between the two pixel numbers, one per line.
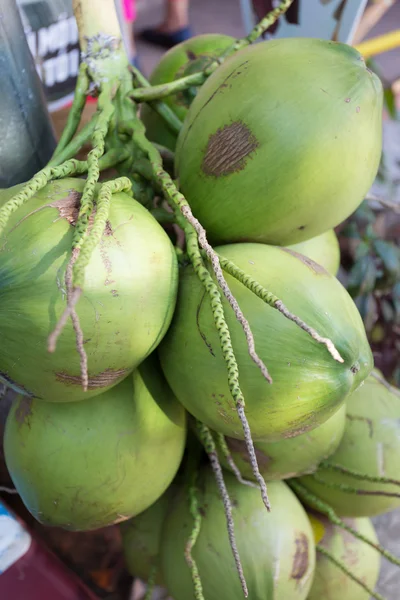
(174,28)
(127,14)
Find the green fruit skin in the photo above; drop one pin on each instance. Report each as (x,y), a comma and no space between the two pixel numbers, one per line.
(330,583)
(323,249)
(126,307)
(282,142)
(308,385)
(370,445)
(290,457)
(85,465)
(277,549)
(179,61)
(141,539)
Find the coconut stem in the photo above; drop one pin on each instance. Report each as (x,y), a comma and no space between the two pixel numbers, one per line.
(328,511)
(261,27)
(95,17)
(80,259)
(349,574)
(223,446)
(209,446)
(385,383)
(194,534)
(193,238)
(275,302)
(37,183)
(350,489)
(173,123)
(156,92)
(151,582)
(357,474)
(90,242)
(75,113)
(105,113)
(74,145)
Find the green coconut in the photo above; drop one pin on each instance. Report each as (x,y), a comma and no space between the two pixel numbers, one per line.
(330,583)
(277,549)
(186,58)
(125,309)
(290,457)
(308,385)
(282,142)
(85,465)
(324,249)
(370,445)
(141,539)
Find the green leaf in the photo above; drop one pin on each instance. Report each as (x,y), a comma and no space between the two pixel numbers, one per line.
(390,102)
(363,249)
(390,257)
(388,312)
(362,276)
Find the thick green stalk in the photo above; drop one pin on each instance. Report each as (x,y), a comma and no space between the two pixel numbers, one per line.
(37,183)
(75,144)
(171,120)
(101,42)
(75,113)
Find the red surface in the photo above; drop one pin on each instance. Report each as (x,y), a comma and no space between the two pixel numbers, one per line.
(40,575)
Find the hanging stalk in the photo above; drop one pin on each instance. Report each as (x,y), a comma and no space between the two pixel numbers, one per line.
(357,474)
(340,565)
(211,450)
(328,511)
(157,92)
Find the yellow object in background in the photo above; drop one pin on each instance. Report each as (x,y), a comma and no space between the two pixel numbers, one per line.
(317,527)
(380,44)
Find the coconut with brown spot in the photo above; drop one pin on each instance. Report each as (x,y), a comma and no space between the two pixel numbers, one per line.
(282,142)
(362,561)
(186,58)
(124,311)
(277,549)
(308,385)
(289,457)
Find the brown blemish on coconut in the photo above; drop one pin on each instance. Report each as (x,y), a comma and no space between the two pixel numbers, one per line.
(101,380)
(318,269)
(24,411)
(358,108)
(190,54)
(210,99)
(238,446)
(68,208)
(202,334)
(228,148)
(347,100)
(300,559)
